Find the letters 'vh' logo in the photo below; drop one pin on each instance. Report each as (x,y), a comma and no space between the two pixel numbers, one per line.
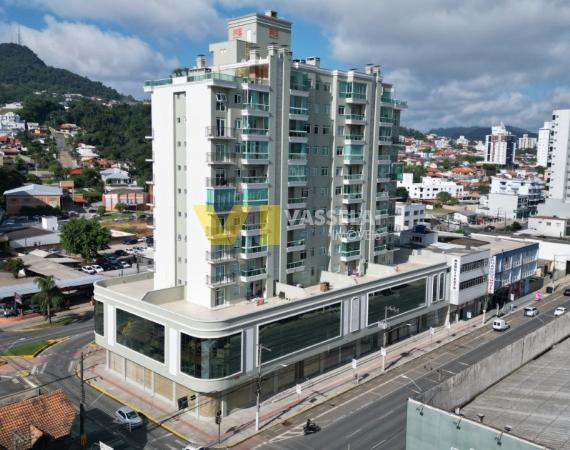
(225,230)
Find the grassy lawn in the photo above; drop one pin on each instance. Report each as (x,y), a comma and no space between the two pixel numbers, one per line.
(27,349)
(55,323)
(439,211)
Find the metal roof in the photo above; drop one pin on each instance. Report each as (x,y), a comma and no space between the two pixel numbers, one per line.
(34,189)
(32,288)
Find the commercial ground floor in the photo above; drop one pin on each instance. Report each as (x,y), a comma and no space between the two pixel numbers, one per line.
(331,356)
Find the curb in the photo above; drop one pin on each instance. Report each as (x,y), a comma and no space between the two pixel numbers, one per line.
(50,343)
(150,418)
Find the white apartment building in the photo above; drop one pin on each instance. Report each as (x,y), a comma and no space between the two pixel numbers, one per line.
(557,174)
(11,123)
(542,144)
(274,191)
(408,215)
(532,189)
(500,146)
(550,226)
(526,142)
(429,187)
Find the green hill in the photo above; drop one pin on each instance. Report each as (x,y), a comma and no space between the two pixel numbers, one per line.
(22,73)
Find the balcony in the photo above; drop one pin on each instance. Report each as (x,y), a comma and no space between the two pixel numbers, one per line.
(253,252)
(297,180)
(355,178)
(221,133)
(296,224)
(220,280)
(254,158)
(253,229)
(217,182)
(383,248)
(220,158)
(386,121)
(254,134)
(350,235)
(353,159)
(295,266)
(355,197)
(247,275)
(385,140)
(353,97)
(297,158)
(297,202)
(298,113)
(220,256)
(254,181)
(296,246)
(255,109)
(382,195)
(354,119)
(381,231)
(349,217)
(349,255)
(382,214)
(357,139)
(298,136)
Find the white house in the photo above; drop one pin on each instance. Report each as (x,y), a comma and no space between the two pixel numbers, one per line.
(429,187)
(408,215)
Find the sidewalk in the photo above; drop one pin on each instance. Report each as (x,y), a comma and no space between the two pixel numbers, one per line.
(239,426)
(29,320)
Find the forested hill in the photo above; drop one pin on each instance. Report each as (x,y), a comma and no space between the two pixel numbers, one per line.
(22,73)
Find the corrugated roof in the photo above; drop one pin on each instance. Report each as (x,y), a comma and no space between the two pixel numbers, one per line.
(34,189)
(32,288)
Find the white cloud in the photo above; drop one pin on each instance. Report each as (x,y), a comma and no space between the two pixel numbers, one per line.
(120,61)
(160,19)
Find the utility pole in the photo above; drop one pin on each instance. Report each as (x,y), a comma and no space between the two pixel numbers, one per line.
(82,434)
(258,391)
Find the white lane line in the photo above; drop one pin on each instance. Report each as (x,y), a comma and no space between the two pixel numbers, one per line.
(44,365)
(96,399)
(34,370)
(70,368)
(29,383)
(353,433)
(378,444)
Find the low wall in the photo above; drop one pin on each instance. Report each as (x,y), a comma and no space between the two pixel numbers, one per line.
(470,382)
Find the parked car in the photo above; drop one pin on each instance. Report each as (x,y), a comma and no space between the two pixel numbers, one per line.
(561,310)
(530,311)
(194,447)
(149,240)
(53,250)
(127,416)
(567,292)
(88,269)
(130,241)
(92,211)
(500,325)
(97,268)
(10,312)
(130,251)
(124,264)
(120,253)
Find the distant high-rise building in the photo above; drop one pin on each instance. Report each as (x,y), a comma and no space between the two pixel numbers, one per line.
(500,146)
(542,144)
(527,142)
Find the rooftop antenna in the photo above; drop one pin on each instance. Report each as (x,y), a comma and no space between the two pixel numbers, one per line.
(19,37)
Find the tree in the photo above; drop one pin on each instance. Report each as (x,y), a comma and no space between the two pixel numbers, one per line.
(418,171)
(10,179)
(121,207)
(444,197)
(84,237)
(89,178)
(101,210)
(49,296)
(14,265)
(402,193)
(36,108)
(539,170)
(515,226)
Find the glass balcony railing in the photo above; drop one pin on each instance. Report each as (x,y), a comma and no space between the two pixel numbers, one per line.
(297,155)
(252,155)
(297,110)
(253,272)
(353,157)
(353,176)
(253,179)
(298,133)
(354,116)
(220,255)
(162,82)
(255,249)
(255,201)
(296,200)
(256,106)
(217,157)
(352,196)
(225,77)
(295,264)
(300,86)
(220,182)
(296,222)
(253,226)
(296,243)
(349,253)
(297,178)
(354,137)
(255,131)
(221,132)
(355,95)
(217,280)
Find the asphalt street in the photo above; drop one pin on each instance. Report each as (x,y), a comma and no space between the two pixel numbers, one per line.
(58,371)
(373,416)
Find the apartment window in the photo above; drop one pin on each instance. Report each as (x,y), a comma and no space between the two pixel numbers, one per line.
(315,150)
(324,171)
(220,101)
(219,297)
(316,108)
(324,191)
(325,151)
(316,129)
(237,124)
(340,110)
(339,151)
(178,119)
(322,251)
(338,190)
(473,282)
(326,129)
(338,171)
(326,87)
(340,130)
(315,171)
(237,99)
(326,108)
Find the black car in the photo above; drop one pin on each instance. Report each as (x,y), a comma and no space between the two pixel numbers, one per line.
(149,240)
(121,253)
(130,241)
(567,292)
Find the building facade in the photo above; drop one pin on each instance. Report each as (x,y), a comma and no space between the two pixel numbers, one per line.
(32,196)
(274,190)
(429,187)
(500,146)
(542,144)
(408,215)
(527,142)
(531,189)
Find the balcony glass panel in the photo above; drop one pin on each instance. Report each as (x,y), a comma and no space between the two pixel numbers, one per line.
(252,197)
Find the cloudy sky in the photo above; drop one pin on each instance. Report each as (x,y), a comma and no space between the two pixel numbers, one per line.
(470,62)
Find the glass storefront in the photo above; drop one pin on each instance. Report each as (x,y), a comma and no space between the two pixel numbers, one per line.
(299,332)
(396,300)
(141,335)
(210,358)
(99,318)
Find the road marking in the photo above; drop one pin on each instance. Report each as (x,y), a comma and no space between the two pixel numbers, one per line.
(95,401)
(29,383)
(353,433)
(34,370)
(15,380)
(70,368)
(378,444)
(44,365)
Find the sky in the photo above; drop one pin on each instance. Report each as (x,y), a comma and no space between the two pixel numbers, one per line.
(457,63)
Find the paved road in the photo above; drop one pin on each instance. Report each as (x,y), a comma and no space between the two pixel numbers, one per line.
(65,157)
(58,371)
(373,415)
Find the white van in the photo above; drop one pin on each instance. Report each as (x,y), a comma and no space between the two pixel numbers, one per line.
(500,325)
(530,311)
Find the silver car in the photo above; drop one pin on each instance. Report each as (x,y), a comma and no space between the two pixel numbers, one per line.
(127,416)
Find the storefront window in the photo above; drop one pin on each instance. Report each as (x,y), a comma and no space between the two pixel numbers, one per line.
(99,318)
(140,335)
(299,332)
(210,358)
(396,300)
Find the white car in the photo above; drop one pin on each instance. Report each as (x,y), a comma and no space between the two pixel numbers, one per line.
(193,447)
(124,264)
(500,325)
(127,416)
(130,251)
(530,311)
(97,268)
(561,310)
(88,269)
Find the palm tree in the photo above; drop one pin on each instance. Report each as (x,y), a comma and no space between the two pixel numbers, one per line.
(49,295)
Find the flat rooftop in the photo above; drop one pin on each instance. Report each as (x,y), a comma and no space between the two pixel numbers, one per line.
(534,400)
(137,287)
